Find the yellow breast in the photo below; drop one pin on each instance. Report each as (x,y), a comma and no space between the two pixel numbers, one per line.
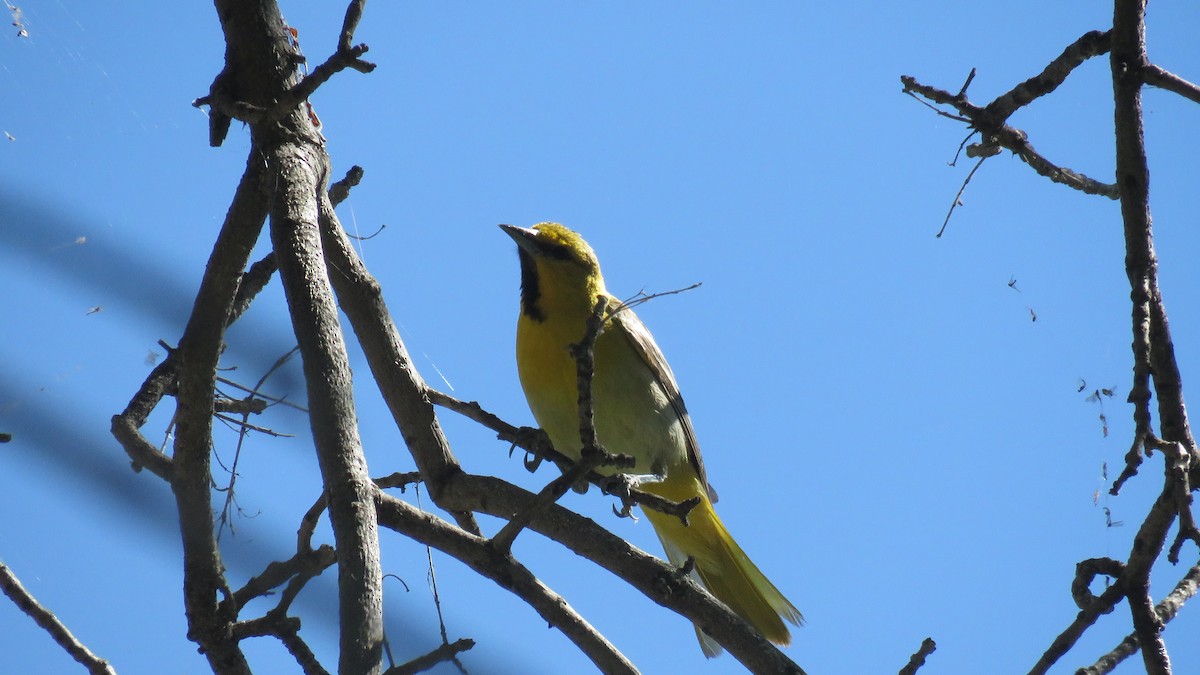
(632,412)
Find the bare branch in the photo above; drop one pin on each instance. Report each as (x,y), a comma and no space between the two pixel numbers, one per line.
(657,580)
(243,406)
(1128,62)
(399,480)
(1157,77)
(592,455)
(341,189)
(252,282)
(264,626)
(585,368)
(1166,610)
(142,452)
(1178,476)
(300,651)
(1090,44)
(402,387)
(537,443)
(927,647)
(198,353)
(478,553)
(349,490)
(445,652)
(353,14)
(1067,639)
(305,564)
(336,63)
(996,133)
(958,197)
(1086,572)
(347,55)
(24,600)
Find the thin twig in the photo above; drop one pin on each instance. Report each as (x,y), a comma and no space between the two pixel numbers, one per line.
(958,197)
(361,298)
(585,369)
(343,58)
(24,600)
(445,652)
(273,399)
(478,553)
(305,564)
(535,442)
(246,426)
(997,133)
(552,492)
(591,455)
(437,596)
(641,297)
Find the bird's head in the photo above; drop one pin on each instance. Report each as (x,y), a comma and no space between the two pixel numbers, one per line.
(558,269)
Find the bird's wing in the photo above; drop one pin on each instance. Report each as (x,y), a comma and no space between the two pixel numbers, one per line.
(626,322)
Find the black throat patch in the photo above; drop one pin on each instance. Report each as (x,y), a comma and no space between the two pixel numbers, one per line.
(531,291)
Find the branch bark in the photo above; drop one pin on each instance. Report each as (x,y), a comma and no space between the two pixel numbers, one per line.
(1166,610)
(350,492)
(655,579)
(499,566)
(11,586)
(402,387)
(198,352)
(1128,61)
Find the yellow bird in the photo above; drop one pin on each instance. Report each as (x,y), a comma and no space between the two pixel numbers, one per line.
(638,412)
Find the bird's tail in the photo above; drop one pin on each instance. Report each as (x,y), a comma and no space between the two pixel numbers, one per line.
(722,567)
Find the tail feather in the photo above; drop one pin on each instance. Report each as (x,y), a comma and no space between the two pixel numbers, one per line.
(724,569)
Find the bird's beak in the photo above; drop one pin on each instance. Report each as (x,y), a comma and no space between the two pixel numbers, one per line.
(526,238)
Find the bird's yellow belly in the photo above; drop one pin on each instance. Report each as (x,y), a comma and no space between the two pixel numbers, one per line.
(633,415)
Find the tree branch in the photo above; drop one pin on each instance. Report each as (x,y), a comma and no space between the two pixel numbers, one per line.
(990,120)
(1166,610)
(24,600)
(347,55)
(304,565)
(1084,620)
(478,553)
(300,651)
(592,456)
(535,442)
(445,652)
(918,658)
(1128,62)
(402,387)
(1157,77)
(657,580)
(198,353)
(1090,44)
(296,238)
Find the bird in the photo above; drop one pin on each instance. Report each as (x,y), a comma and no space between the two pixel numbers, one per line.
(638,411)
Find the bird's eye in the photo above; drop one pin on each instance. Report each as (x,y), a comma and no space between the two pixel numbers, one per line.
(558,252)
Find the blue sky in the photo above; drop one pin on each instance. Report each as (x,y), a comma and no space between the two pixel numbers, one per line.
(896,444)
